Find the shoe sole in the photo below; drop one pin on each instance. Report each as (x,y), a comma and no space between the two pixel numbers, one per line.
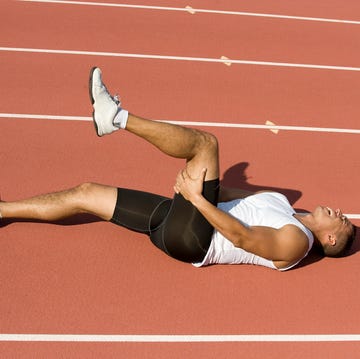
(92,98)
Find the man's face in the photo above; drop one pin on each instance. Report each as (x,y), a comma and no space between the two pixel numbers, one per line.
(332,220)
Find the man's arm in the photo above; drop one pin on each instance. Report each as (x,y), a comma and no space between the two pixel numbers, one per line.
(283,246)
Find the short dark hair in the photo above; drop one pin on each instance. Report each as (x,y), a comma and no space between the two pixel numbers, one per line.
(342,247)
(351,239)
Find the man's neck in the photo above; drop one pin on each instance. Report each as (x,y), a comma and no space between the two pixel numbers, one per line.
(305,219)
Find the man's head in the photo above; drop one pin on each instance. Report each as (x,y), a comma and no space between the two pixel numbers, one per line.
(334,232)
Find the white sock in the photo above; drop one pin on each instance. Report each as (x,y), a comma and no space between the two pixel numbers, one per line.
(121,118)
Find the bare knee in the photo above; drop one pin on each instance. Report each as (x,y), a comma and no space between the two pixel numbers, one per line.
(85,188)
(206,156)
(208,143)
(212,143)
(96,199)
(83,193)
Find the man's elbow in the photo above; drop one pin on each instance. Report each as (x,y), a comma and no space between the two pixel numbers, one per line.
(238,240)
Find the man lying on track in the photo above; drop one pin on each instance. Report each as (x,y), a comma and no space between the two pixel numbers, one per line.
(204,223)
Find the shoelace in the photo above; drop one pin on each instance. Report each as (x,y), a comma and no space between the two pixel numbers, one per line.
(116,98)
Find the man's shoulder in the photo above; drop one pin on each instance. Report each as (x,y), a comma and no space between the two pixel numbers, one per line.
(294,243)
(292,236)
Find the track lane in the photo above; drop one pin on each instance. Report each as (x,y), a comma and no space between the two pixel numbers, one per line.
(190,350)
(133,31)
(307,8)
(214,92)
(61,259)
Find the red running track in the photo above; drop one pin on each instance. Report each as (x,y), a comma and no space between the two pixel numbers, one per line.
(96,278)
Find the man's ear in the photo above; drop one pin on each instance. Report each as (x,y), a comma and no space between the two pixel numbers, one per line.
(332,239)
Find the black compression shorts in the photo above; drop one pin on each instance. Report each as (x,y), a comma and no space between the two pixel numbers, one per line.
(174,225)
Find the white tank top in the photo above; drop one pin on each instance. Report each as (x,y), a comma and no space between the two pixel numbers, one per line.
(268,209)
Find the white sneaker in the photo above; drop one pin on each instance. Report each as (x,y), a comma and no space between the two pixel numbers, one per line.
(105,106)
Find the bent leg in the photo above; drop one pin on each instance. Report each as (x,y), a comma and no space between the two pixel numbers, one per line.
(91,198)
(199,148)
(185,234)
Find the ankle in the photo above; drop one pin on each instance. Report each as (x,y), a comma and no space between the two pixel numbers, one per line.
(121,118)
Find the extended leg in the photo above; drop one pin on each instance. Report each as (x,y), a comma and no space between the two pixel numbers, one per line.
(91,198)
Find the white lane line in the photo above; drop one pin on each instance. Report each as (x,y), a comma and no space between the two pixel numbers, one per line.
(180,338)
(179,58)
(45,117)
(217,12)
(352,216)
(193,123)
(267,127)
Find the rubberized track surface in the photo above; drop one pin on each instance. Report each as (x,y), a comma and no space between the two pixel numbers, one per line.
(90,277)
